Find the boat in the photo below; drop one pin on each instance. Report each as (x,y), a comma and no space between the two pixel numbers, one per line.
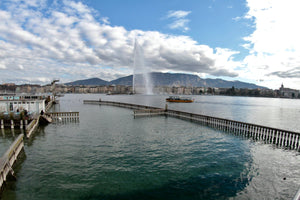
(179,99)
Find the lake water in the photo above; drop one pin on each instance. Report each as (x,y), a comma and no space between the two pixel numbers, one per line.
(7,136)
(111,155)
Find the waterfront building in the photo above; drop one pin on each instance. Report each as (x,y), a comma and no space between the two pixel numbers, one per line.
(13,103)
(187,90)
(288,93)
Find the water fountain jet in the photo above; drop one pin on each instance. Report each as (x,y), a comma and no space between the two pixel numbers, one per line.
(142,82)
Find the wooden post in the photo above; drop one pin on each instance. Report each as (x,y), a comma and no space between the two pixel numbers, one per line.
(297,142)
(294,141)
(289,139)
(265,132)
(277,137)
(13,132)
(12,126)
(26,123)
(280,138)
(272,136)
(21,124)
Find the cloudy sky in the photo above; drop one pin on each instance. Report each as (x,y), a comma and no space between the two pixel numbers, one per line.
(248,40)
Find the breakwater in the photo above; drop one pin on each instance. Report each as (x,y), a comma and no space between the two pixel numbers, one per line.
(279,137)
(9,158)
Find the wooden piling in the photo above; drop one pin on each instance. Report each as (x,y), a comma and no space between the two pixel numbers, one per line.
(21,124)
(12,126)
(26,123)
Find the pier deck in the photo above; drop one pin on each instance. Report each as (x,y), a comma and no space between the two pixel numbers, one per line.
(279,137)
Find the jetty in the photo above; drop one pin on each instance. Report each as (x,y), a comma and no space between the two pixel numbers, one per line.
(28,125)
(9,159)
(27,112)
(279,137)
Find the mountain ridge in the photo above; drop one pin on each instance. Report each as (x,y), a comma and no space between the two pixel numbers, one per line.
(170,79)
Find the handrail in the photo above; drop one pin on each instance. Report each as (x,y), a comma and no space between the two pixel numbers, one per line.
(13,146)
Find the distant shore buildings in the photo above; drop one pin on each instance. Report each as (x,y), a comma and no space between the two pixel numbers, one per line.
(282,92)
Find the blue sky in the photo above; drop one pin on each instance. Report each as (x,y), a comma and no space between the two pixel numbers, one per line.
(209,21)
(247,40)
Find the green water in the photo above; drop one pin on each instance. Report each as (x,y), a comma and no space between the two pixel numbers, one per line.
(111,155)
(7,136)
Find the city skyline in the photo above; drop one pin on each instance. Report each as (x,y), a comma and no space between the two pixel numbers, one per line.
(251,41)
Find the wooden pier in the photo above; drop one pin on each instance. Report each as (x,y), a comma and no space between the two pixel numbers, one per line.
(31,127)
(9,159)
(64,116)
(279,137)
(49,105)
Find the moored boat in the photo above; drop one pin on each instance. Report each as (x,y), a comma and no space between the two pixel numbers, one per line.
(179,99)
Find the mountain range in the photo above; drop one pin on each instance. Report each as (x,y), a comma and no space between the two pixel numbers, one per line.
(170,79)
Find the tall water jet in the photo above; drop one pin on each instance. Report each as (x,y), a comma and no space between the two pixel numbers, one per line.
(141,81)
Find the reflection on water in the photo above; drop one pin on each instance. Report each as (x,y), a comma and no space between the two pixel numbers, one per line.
(111,155)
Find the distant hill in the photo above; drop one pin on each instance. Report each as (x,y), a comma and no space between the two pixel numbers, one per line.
(164,79)
(126,80)
(169,79)
(91,81)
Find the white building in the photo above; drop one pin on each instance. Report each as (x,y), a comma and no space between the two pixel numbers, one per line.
(288,93)
(32,104)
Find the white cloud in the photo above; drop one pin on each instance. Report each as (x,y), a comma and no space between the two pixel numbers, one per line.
(105,20)
(2,66)
(180,22)
(237,18)
(69,43)
(78,7)
(179,14)
(274,45)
